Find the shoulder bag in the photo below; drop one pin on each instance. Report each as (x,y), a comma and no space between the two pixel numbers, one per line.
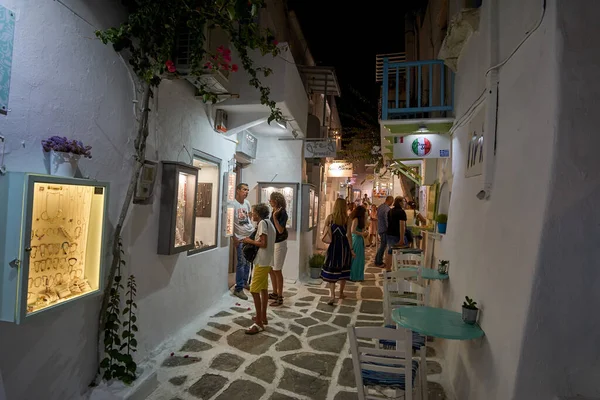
(249,250)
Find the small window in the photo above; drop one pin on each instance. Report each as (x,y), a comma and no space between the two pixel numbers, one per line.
(207,202)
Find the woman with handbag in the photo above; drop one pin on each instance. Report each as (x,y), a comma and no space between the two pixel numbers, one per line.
(336,232)
(279,218)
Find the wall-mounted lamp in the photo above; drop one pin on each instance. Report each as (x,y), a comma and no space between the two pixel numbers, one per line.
(422,129)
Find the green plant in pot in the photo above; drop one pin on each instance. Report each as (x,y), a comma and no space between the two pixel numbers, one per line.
(442,221)
(443,266)
(315,262)
(469,311)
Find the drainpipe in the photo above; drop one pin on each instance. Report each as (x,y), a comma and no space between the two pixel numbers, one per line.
(491,102)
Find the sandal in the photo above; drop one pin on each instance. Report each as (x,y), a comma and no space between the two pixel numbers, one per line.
(331,302)
(273,296)
(277,302)
(254,329)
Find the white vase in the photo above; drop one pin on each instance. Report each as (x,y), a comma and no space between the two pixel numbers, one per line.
(63,164)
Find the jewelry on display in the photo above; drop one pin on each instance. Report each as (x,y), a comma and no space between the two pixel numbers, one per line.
(65,247)
(77,231)
(39,237)
(37,282)
(74,261)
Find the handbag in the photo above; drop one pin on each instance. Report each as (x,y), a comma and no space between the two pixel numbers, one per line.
(249,250)
(327,235)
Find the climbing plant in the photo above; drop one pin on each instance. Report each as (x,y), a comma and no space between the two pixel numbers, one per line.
(148,40)
(119,337)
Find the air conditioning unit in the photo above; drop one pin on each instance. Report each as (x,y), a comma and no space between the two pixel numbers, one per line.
(221,121)
(213,80)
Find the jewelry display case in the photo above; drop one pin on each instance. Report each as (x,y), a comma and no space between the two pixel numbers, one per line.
(207,202)
(52,237)
(177,222)
(308,207)
(290,193)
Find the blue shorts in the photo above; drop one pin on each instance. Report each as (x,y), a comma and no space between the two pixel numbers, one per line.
(392,241)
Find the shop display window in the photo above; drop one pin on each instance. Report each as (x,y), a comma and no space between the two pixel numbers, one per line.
(207,202)
(290,193)
(54,233)
(176,232)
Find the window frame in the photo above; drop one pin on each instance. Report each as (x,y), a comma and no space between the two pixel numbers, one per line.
(205,157)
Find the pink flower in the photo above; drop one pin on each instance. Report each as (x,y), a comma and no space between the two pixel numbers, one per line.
(220,49)
(275,42)
(227,58)
(172,354)
(170,66)
(208,65)
(234,68)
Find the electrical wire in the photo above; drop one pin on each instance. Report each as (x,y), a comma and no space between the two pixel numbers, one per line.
(467,115)
(527,35)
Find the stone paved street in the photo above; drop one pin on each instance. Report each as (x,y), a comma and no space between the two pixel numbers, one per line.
(303,354)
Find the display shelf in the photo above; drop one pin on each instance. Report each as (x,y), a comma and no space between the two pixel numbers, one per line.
(176,231)
(290,193)
(52,242)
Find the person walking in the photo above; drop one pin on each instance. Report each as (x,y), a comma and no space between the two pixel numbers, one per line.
(339,253)
(397,234)
(242,228)
(359,231)
(382,225)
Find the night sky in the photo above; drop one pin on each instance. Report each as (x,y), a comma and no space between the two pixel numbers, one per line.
(347,36)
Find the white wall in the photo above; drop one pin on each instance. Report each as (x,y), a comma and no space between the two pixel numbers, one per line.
(279,161)
(68,83)
(560,348)
(493,258)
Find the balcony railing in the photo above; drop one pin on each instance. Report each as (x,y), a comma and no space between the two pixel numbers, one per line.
(416,89)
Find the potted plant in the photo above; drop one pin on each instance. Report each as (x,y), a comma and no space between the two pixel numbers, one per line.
(469,311)
(315,262)
(442,221)
(443,267)
(65,155)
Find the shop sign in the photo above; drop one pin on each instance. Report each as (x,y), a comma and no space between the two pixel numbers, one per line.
(230,186)
(340,169)
(247,144)
(422,146)
(319,149)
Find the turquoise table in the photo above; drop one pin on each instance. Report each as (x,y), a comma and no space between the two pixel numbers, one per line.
(427,273)
(407,250)
(435,322)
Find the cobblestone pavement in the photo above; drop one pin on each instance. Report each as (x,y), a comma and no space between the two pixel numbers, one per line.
(303,353)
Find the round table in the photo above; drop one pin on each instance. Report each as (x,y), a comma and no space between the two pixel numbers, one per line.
(435,322)
(426,273)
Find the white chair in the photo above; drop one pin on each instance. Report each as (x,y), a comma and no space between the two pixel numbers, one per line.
(395,285)
(387,368)
(401,260)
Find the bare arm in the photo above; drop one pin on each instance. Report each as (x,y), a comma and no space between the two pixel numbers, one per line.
(278,226)
(354,226)
(349,233)
(326,224)
(402,231)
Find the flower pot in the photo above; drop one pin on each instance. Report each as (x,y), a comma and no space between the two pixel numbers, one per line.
(315,273)
(63,164)
(443,269)
(441,228)
(469,315)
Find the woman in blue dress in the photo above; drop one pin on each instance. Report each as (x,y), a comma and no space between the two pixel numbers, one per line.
(339,253)
(358,229)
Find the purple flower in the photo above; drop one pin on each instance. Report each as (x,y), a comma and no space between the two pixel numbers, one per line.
(65,145)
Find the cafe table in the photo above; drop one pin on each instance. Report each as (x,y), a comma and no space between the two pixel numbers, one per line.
(435,322)
(426,273)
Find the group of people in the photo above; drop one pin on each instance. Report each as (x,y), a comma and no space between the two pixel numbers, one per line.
(345,230)
(256,226)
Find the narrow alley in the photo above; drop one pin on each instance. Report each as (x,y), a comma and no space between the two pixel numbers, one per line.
(303,353)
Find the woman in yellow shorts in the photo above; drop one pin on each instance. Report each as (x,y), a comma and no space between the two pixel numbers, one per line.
(265,241)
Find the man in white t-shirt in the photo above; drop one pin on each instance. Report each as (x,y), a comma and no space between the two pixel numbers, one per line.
(264,260)
(242,228)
